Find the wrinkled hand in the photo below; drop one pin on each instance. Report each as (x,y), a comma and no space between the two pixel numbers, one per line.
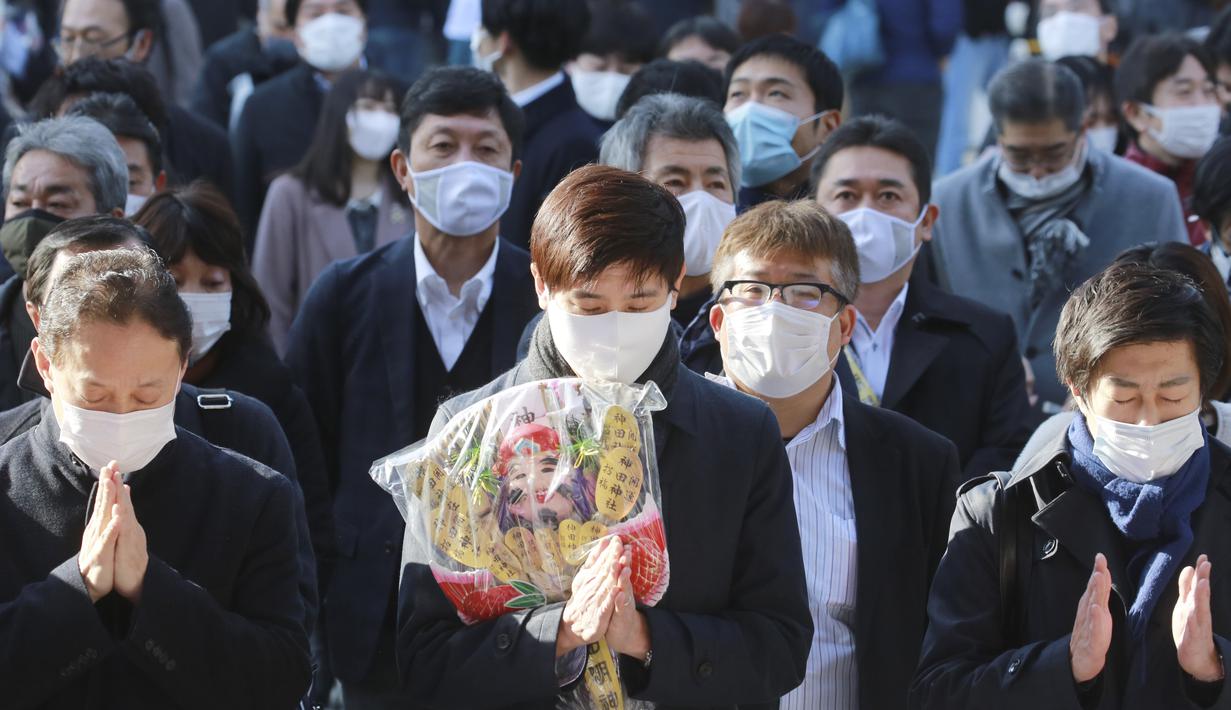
(96,560)
(131,554)
(628,633)
(1092,629)
(1192,627)
(595,588)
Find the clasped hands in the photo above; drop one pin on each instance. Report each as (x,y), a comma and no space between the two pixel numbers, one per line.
(1192,628)
(113,554)
(602,605)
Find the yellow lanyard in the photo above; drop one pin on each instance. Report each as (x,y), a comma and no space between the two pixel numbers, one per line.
(867,395)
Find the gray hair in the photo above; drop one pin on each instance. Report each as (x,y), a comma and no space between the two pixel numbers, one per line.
(83,142)
(672,116)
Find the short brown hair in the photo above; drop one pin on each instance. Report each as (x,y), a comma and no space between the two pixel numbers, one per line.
(117,286)
(600,216)
(800,228)
(1131,304)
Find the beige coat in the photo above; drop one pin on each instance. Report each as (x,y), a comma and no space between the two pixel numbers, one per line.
(299,235)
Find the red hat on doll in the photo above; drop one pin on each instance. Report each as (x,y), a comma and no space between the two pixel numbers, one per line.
(524,441)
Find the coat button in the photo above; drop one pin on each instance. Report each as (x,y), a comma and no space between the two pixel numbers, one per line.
(705,670)
(1014,665)
(503,642)
(1049,549)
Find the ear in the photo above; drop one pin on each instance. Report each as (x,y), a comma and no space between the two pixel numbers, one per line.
(679,282)
(717,318)
(1135,116)
(160,182)
(32,311)
(43,363)
(118,212)
(504,44)
(516,170)
(830,120)
(401,171)
(929,221)
(846,323)
(142,43)
(540,288)
(1109,27)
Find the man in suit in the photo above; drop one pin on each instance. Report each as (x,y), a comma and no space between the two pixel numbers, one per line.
(330,37)
(381,339)
(873,490)
(526,44)
(733,626)
(947,362)
(1028,222)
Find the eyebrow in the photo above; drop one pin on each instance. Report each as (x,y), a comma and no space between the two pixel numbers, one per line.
(50,189)
(761,275)
(883,182)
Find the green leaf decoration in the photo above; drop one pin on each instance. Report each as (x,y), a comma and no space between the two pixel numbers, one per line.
(526,601)
(525,588)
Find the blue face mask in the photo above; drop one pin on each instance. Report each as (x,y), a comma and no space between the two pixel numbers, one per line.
(764,135)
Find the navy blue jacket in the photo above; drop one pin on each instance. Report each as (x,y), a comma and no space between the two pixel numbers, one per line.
(916,34)
(352,351)
(559,137)
(733,628)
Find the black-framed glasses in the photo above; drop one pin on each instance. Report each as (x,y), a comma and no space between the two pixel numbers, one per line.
(805,295)
(88,43)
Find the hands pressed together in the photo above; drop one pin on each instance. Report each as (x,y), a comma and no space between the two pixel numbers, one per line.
(1192,628)
(113,554)
(602,605)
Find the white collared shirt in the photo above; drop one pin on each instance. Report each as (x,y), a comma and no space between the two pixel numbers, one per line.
(825,507)
(451,319)
(530,93)
(874,348)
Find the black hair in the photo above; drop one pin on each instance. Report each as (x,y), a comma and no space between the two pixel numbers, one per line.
(820,72)
(547,33)
(1218,41)
(77,235)
(1211,198)
(326,166)
(1149,61)
(121,115)
(884,133)
(199,218)
(620,27)
(93,75)
(1036,91)
(450,91)
(143,15)
(292,9)
(663,76)
(711,30)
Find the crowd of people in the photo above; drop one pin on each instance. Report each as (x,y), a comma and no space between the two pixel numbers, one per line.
(935,294)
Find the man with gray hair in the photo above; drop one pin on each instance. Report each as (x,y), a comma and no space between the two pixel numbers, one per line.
(1043,213)
(685,145)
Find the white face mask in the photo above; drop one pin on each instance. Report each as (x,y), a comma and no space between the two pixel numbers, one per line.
(885,243)
(133,204)
(372,133)
(211,318)
(1188,131)
(1103,138)
(777,350)
(486,62)
(1147,453)
(332,42)
(705,219)
(614,346)
(1033,188)
(464,198)
(1067,34)
(598,92)
(131,440)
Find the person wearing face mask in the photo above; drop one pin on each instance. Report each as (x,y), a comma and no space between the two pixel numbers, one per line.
(330,37)
(1076,28)
(137,138)
(1211,203)
(1102,119)
(236,64)
(1126,505)
(911,340)
(783,98)
(1042,212)
(620,39)
(340,201)
(147,568)
(1171,111)
(868,484)
(382,338)
(608,259)
(527,45)
(685,145)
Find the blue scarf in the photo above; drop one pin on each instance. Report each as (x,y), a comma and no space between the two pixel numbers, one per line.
(1154,516)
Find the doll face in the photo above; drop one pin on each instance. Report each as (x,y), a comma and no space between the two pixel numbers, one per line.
(530,487)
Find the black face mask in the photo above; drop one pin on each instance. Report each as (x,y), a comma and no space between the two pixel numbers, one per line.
(21,233)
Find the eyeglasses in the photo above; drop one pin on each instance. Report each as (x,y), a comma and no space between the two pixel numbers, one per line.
(1052,159)
(805,295)
(87,44)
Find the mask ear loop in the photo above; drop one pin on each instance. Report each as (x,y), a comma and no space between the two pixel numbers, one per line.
(805,121)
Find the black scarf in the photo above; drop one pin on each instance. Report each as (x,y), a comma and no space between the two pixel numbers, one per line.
(544,361)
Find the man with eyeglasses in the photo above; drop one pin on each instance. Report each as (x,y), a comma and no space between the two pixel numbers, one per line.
(1042,213)
(873,490)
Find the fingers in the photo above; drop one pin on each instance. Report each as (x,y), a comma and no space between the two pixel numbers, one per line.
(1102,576)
